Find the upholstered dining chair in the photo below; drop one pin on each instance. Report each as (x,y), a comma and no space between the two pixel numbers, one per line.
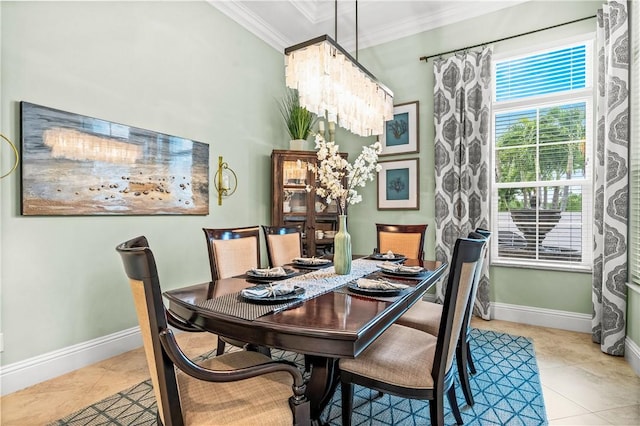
(240,388)
(412,364)
(404,239)
(284,243)
(232,251)
(426,316)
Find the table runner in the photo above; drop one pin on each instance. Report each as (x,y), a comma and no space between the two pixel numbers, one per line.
(315,283)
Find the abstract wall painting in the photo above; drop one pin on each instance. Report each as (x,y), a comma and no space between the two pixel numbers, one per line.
(74,165)
(398,187)
(400,135)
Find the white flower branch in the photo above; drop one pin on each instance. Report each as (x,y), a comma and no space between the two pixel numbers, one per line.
(332,170)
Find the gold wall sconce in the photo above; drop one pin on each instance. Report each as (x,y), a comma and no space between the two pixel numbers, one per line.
(15,154)
(225,180)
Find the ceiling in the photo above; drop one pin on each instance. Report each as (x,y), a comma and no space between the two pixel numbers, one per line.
(283,23)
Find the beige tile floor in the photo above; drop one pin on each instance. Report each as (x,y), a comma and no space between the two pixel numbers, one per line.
(581,385)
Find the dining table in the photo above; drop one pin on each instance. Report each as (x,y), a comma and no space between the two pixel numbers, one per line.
(331,319)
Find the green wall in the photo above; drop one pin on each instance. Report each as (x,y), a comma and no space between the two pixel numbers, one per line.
(633,314)
(180,68)
(187,70)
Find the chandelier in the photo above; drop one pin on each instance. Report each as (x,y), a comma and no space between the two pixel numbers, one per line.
(332,84)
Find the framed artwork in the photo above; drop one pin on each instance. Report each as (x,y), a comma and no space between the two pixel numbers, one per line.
(400,135)
(74,165)
(398,185)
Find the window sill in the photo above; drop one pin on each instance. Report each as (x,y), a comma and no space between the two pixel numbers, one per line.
(543,266)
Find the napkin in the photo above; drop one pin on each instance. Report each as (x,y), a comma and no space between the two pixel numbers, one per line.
(394,267)
(311,261)
(389,255)
(270,290)
(269,272)
(379,284)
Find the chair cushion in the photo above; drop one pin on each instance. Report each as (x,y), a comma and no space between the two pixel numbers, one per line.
(235,257)
(424,316)
(401,356)
(260,400)
(407,244)
(283,248)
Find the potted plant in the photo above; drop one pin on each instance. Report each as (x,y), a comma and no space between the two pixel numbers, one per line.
(297,118)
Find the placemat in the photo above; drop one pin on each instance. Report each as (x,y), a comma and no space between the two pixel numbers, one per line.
(235,305)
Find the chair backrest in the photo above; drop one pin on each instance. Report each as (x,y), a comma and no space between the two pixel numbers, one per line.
(466,254)
(232,251)
(140,267)
(478,234)
(404,239)
(284,243)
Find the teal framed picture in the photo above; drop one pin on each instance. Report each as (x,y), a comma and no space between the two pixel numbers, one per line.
(398,185)
(400,135)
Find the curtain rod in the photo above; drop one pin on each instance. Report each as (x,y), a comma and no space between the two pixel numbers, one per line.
(426,58)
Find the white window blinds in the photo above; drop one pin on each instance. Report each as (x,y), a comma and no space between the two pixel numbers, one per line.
(542,136)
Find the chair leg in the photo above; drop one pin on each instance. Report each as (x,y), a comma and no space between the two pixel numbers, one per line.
(451,395)
(220,348)
(347,403)
(436,410)
(472,366)
(463,372)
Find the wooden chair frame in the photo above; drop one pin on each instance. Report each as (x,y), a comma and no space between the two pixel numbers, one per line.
(465,251)
(166,355)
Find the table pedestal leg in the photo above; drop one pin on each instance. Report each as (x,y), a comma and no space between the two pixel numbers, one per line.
(322,383)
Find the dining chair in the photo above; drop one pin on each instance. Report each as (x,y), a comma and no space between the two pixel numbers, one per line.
(284,243)
(426,316)
(232,251)
(239,388)
(403,239)
(409,363)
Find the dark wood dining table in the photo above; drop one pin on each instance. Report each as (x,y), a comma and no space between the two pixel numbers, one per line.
(336,324)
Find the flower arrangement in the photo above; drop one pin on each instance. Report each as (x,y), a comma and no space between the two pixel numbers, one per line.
(332,170)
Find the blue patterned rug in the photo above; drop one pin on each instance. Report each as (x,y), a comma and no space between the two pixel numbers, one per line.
(506,390)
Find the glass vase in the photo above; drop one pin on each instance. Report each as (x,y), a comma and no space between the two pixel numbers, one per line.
(342,248)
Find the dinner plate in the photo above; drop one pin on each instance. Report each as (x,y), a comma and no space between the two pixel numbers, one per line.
(289,273)
(295,294)
(353,286)
(382,256)
(310,266)
(404,273)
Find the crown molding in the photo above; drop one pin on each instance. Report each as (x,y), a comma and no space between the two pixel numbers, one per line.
(253,23)
(316,13)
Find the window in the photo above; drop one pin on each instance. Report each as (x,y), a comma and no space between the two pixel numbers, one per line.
(542,139)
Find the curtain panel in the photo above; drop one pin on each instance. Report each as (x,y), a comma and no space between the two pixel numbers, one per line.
(611,179)
(462,105)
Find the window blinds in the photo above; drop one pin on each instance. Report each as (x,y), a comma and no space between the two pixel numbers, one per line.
(550,72)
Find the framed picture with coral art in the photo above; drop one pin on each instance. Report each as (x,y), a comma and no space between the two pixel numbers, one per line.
(398,187)
(400,135)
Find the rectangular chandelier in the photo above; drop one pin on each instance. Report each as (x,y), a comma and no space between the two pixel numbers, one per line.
(330,81)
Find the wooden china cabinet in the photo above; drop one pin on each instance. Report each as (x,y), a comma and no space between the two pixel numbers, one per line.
(293,205)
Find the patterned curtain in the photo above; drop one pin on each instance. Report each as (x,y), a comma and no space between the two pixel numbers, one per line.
(611,180)
(462,102)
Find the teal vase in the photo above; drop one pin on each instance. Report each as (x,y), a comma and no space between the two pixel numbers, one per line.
(342,248)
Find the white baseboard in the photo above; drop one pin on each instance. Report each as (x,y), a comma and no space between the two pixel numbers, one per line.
(632,354)
(542,317)
(20,375)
